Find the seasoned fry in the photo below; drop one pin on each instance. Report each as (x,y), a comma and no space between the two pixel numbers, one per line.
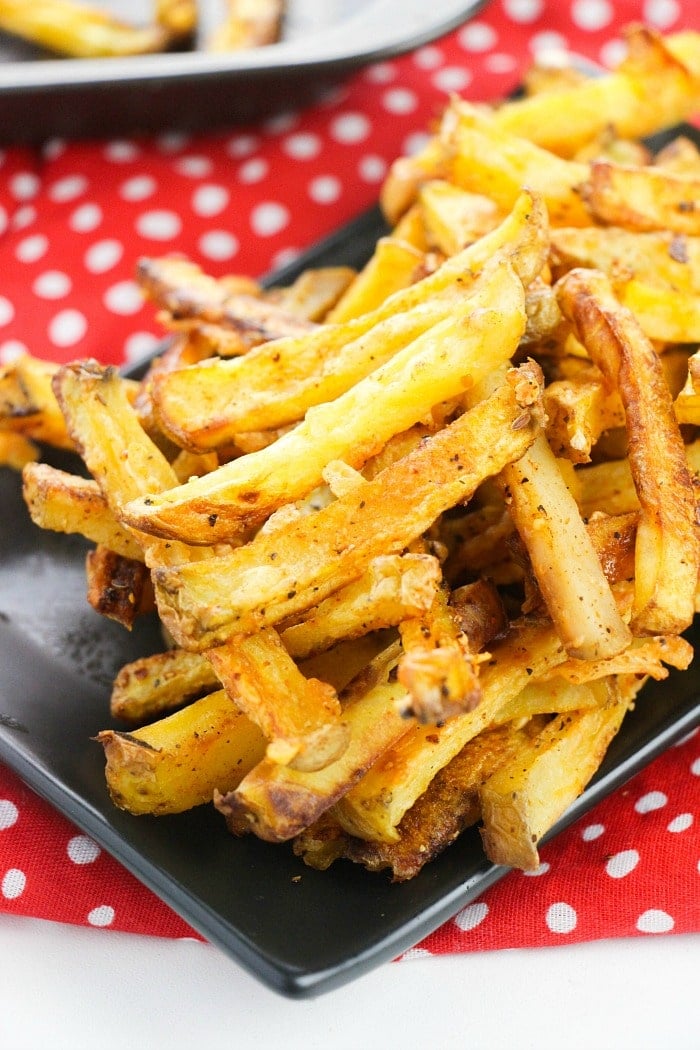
(667,550)
(27,403)
(282,573)
(151,685)
(118,587)
(643,198)
(179,761)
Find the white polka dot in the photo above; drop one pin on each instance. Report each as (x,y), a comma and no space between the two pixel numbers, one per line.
(471,916)
(124,298)
(661,13)
(120,151)
(172,142)
(194,167)
(326,189)
(541,43)
(541,869)
(428,58)
(269,218)
(67,328)
(561,917)
(592,832)
(399,101)
(477,36)
(103,255)
(651,801)
(349,128)
(209,200)
(253,170)
(86,218)
(218,245)
(242,145)
(159,225)
(681,823)
(13,883)
(415,142)
(622,863)
(281,123)
(11,350)
(416,953)
(499,63)
(82,850)
(452,78)
(380,73)
(101,916)
(523,10)
(695,767)
(140,345)
(655,921)
(52,284)
(7,313)
(9,814)
(684,739)
(4,219)
(32,248)
(54,148)
(139,188)
(612,53)
(68,189)
(24,185)
(591,15)
(24,216)
(302,145)
(372,168)
(284,258)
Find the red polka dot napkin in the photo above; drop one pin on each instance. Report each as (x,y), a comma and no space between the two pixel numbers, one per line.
(74,219)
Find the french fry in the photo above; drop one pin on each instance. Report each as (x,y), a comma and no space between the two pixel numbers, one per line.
(276,383)
(16,450)
(564,561)
(27,403)
(394,264)
(118,587)
(179,761)
(279,574)
(643,199)
(667,551)
(527,795)
(300,717)
(155,684)
(69,503)
(248,23)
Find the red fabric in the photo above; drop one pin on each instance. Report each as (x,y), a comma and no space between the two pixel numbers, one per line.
(74,219)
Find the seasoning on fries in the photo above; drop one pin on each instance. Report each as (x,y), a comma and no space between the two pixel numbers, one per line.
(418,534)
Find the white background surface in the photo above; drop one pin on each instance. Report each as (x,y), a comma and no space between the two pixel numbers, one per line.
(68,988)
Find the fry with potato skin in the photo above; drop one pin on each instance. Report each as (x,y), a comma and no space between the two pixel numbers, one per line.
(282,573)
(667,555)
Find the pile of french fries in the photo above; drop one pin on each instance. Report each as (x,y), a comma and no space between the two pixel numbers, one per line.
(418,534)
(77,29)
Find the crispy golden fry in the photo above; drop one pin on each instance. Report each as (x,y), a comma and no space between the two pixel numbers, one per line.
(578,411)
(117,451)
(643,199)
(16,451)
(315,293)
(564,561)
(646,656)
(394,265)
(179,761)
(480,334)
(80,30)
(278,382)
(473,153)
(680,156)
(118,587)
(248,23)
(153,684)
(177,16)
(667,549)
(687,403)
(279,574)
(300,717)
(69,503)
(27,403)
(527,795)
(448,806)
(454,218)
(278,802)
(394,587)
(650,90)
